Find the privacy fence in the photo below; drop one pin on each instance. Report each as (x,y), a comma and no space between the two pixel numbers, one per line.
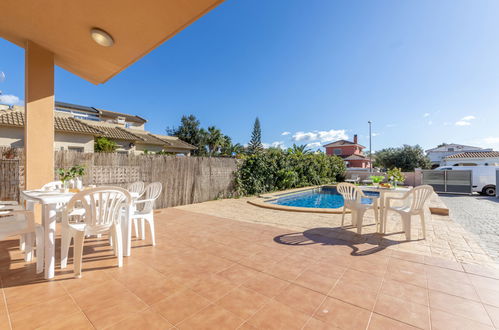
(185,180)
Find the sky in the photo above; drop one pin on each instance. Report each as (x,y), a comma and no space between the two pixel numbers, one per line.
(424,72)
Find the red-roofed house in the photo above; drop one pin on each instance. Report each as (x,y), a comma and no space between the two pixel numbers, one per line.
(351,152)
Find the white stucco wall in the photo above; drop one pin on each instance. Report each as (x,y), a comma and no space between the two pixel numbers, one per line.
(11,136)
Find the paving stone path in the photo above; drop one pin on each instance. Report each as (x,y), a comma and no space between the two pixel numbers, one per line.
(478,215)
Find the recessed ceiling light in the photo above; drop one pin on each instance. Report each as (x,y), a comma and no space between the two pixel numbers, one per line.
(102,37)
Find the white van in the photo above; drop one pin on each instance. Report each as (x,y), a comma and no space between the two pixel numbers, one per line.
(484,177)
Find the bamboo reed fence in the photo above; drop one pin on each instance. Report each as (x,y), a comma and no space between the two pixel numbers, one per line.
(185,180)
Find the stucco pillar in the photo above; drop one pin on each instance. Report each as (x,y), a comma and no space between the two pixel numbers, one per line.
(39,116)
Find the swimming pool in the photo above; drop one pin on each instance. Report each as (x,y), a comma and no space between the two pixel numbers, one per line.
(322,197)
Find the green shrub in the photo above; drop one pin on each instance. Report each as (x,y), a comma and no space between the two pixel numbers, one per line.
(275,169)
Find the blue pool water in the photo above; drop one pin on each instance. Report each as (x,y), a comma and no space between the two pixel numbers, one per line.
(324,197)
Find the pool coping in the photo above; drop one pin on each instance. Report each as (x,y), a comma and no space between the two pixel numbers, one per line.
(262,201)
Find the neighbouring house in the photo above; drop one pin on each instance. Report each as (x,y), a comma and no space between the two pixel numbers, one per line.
(438,154)
(487,158)
(76,128)
(351,152)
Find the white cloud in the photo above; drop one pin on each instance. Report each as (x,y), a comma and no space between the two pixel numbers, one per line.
(490,142)
(314,145)
(323,136)
(285,133)
(426,114)
(375,134)
(275,144)
(391,125)
(465,121)
(9,99)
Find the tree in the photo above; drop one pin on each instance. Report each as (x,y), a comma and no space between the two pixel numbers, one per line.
(406,158)
(214,140)
(299,149)
(255,144)
(103,144)
(190,132)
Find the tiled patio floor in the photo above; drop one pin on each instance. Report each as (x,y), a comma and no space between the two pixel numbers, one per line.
(214,273)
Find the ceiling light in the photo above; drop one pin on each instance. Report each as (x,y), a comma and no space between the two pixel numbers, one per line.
(102,37)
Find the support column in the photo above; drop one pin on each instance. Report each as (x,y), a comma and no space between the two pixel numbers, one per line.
(39,116)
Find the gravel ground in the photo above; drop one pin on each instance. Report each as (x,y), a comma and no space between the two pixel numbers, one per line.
(480,216)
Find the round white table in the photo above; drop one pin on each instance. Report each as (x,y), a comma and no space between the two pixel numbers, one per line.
(383,192)
(49,201)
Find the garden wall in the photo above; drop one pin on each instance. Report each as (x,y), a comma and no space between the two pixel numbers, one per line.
(411,178)
(185,180)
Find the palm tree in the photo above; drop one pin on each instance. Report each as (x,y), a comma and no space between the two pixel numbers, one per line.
(299,149)
(214,140)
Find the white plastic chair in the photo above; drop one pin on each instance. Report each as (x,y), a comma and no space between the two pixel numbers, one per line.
(54,185)
(144,209)
(22,222)
(103,210)
(353,196)
(413,203)
(136,187)
(353,179)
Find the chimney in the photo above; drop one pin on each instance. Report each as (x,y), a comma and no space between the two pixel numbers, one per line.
(355,139)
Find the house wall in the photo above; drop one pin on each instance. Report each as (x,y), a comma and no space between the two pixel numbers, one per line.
(357,163)
(63,141)
(140,148)
(471,161)
(345,150)
(11,136)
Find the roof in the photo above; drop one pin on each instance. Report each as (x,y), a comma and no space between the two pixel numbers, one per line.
(148,138)
(61,123)
(341,143)
(128,117)
(356,157)
(75,107)
(477,154)
(175,142)
(117,133)
(460,147)
(64,28)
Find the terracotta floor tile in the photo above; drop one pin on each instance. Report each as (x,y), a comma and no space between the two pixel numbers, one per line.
(213,288)
(275,315)
(5,321)
(181,305)
(481,270)
(453,288)
(284,271)
(407,292)
(443,321)
(212,317)
(90,278)
(408,277)
(438,273)
(488,296)
(315,324)
(243,302)
(265,284)
(484,282)
(354,295)
(316,282)
(401,310)
(20,297)
(147,319)
(494,314)
(75,321)
(361,279)
(327,269)
(407,266)
(40,314)
(238,274)
(444,263)
(413,257)
(342,315)
(459,306)
(152,292)
(102,295)
(380,322)
(300,298)
(368,267)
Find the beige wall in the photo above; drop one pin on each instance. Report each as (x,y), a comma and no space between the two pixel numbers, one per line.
(139,148)
(14,137)
(65,140)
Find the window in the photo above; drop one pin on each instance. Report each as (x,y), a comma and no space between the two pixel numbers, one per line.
(450,149)
(337,151)
(77,149)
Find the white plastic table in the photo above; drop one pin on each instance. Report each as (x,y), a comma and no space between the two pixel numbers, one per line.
(49,201)
(382,200)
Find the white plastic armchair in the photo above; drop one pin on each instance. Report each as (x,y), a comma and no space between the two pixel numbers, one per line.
(103,210)
(411,203)
(136,187)
(54,185)
(353,179)
(144,209)
(22,222)
(353,196)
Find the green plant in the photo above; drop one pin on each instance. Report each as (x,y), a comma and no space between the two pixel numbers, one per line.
(275,169)
(255,144)
(395,175)
(71,173)
(377,178)
(103,144)
(406,157)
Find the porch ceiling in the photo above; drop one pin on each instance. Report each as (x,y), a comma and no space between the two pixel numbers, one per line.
(63,27)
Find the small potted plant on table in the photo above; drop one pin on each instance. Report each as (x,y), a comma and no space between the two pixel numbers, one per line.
(395,176)
(72,174)
(376,179)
